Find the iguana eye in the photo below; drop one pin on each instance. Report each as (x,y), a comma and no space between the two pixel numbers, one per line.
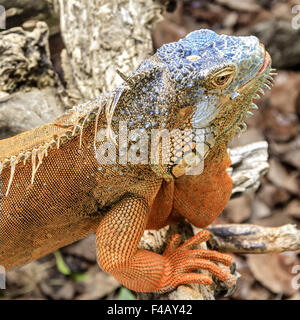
(222,78)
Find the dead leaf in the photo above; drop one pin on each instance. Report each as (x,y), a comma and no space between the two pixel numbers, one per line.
(281,178)
(274,271)
(260,209)
(272,195)
(238,210)
(293,209)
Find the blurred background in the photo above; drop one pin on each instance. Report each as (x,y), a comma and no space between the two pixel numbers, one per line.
(72,272)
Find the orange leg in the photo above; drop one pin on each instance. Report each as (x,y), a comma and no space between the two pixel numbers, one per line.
(117,239)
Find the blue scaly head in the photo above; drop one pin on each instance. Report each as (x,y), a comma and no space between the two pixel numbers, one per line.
(218,76)
(205,81)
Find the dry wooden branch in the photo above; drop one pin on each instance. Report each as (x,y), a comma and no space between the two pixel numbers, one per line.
(28,12)
(25,59)
(102,36)
(248,164)
(249,238)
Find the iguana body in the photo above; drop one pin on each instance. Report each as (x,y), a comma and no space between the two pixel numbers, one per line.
(57,187)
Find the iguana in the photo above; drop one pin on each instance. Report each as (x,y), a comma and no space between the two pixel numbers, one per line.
(76,175)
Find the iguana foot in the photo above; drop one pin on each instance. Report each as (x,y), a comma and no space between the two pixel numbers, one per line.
(183,260)
(146,271)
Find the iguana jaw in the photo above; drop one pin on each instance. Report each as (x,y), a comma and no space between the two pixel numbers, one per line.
(233,111)
(264,71)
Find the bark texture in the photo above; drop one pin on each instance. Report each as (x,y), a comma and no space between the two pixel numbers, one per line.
(100,37)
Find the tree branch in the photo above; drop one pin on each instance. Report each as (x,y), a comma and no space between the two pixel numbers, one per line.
(249,238)
(102,36)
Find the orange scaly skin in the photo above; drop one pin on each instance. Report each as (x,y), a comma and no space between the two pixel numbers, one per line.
(55,188)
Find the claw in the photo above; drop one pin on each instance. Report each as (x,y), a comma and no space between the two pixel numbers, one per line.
(184,259)
(173,244)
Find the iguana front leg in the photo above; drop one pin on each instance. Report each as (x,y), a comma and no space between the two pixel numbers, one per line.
(118,236)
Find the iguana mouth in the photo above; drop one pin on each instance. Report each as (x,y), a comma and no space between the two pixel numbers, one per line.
(267,60)
(266,64)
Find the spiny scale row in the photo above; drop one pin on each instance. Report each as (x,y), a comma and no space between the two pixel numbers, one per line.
(267,82)
(83,117)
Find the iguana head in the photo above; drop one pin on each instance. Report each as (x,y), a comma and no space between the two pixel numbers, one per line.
(204,81)
(215,78)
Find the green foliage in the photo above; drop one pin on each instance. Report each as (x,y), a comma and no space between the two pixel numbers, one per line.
(125,294)
(65,270)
